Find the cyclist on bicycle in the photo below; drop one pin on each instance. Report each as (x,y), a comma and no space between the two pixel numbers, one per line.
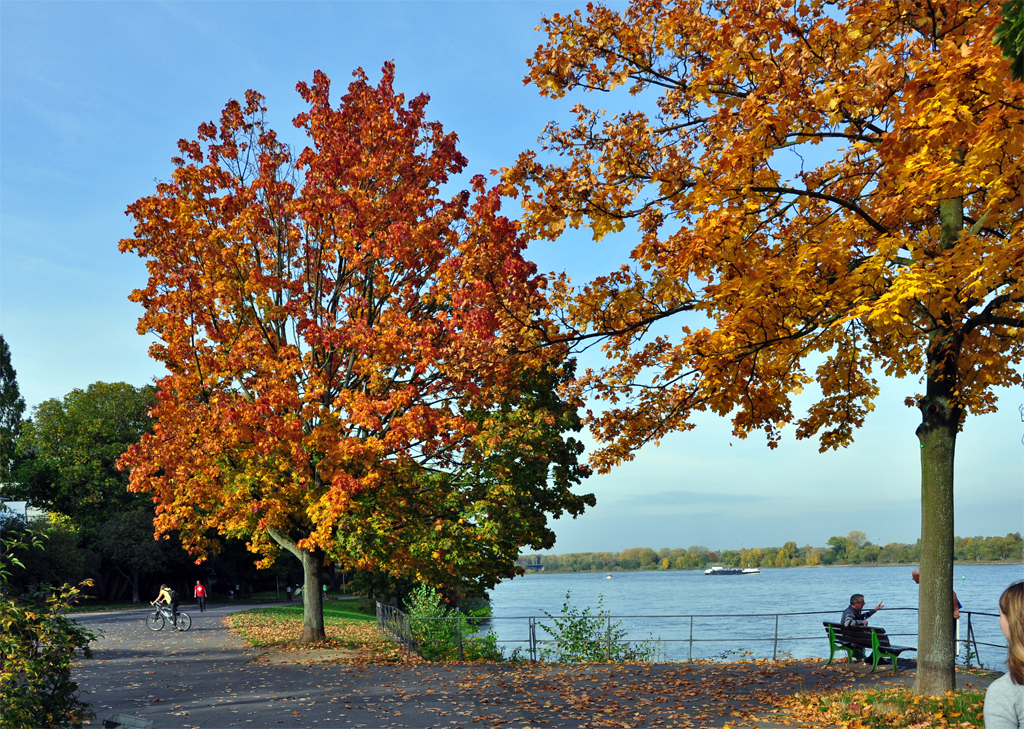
(169,597)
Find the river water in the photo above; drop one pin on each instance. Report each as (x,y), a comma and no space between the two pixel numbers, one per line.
(729,614)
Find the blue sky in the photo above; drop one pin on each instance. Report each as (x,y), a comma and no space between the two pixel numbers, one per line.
(94,96)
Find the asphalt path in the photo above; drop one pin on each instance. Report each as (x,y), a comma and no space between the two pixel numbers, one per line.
(207,678)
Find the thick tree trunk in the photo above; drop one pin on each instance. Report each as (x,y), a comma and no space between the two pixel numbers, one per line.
(936,627)
(940,420)
(135,586)
(312,603)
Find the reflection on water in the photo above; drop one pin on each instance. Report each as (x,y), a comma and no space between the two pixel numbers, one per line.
(691,598)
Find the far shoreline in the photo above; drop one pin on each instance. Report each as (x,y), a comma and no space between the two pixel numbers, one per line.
(616,570)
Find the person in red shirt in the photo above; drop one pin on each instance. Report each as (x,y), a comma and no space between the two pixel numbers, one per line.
(199,593)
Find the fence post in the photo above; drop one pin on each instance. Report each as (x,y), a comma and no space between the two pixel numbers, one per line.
(971,640)
(458,622)
(608,640)
(775,645)
(689,655)
(532,637)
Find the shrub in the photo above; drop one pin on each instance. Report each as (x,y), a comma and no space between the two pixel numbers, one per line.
(580,636)
(436,630)
(37,645)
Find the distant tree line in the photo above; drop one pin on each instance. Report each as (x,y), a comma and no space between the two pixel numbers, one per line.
(62,461)
(854,548)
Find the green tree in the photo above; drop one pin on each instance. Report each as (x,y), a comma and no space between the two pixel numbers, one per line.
(70,449)
(60,556)
(126,541)
(856,538)
(1009,36)
(12,405)
(840,546)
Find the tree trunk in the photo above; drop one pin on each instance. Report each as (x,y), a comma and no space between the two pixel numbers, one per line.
(940,420)
(312,603)
(135,586)
(935,626)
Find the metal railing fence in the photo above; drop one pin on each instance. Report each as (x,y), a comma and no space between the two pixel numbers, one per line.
(682,631)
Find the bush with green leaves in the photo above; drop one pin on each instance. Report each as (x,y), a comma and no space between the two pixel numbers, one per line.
(583,636)
(438,630)
(37,645)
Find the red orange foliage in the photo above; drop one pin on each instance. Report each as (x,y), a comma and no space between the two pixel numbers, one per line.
(334,328)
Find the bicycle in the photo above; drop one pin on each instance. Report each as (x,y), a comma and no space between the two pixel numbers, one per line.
(159,617)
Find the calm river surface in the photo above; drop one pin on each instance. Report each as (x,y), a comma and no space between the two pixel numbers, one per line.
(660,605)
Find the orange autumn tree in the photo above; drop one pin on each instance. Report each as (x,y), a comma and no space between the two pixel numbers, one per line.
(335,329)
(826,190)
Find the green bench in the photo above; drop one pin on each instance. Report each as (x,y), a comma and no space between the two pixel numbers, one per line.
(852,638)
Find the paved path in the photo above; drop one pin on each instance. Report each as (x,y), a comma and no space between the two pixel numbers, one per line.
(206,678)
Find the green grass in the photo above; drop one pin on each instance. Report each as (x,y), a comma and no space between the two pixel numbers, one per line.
(99,606)
(337,610)
(346,626)
(893,708)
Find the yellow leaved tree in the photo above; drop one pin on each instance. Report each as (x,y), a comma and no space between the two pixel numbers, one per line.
(829,189)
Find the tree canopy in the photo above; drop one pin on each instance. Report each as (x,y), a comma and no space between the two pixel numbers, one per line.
(827,190)
(339,335)
(69,450)
(12,405)
(463,529)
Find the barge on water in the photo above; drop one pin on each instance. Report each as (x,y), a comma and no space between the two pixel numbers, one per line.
(732,571)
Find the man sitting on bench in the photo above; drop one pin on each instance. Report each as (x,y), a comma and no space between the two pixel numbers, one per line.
(855,615)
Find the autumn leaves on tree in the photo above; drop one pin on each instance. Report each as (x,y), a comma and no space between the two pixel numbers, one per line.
(340,340)
(828,189)
(362,368)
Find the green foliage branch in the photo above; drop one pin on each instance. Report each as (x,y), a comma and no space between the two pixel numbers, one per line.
(37,645)
(1009,36)
(12,405)
(436,629)
(585,636)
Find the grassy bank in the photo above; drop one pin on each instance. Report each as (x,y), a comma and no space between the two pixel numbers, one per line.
(279,628)
(885,709)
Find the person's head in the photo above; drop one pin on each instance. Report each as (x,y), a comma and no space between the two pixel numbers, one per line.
(198,582)
(916,575)
(857,600)
(163,587)
(1011,620)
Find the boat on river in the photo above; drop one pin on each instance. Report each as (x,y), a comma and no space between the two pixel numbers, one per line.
(732,571)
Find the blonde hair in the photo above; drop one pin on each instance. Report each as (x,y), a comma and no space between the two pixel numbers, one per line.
(1011,604)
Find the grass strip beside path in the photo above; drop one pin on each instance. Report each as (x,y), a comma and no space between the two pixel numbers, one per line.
(887,708)
(348,628)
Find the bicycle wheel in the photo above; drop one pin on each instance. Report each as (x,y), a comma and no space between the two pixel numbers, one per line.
(155,621)
(184,621)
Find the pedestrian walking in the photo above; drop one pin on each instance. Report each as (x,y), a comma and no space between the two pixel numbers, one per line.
(288,592)
(199,593)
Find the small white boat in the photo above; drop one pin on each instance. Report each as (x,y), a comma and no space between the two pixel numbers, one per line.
(607,577)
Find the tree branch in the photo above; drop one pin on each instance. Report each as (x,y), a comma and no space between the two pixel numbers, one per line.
(831,198)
